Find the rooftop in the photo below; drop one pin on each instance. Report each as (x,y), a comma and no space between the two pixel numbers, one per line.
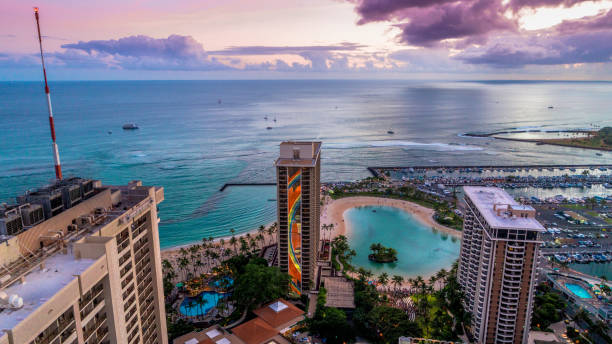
(255,331)
(279,313)
(486,199)
(211,335)
(40,285)
(299,154)
(340,292)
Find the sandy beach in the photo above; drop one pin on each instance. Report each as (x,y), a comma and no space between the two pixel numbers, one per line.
(333,212)
(173,253)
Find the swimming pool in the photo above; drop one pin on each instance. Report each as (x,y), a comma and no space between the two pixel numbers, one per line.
(223,282)
(191,308)
(578,290)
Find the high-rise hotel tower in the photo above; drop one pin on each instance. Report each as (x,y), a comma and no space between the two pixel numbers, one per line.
(298,171)
(80,263)
(498,264)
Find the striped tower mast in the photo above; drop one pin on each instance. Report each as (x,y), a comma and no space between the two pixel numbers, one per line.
(56,159)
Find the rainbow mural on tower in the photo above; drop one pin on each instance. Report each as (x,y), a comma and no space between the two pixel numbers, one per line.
(294,195)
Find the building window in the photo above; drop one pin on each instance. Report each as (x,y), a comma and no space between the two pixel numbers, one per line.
(296,154)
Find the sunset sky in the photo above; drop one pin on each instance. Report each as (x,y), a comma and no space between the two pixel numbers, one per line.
(189,39)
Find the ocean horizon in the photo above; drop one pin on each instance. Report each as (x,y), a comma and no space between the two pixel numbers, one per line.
(195,136)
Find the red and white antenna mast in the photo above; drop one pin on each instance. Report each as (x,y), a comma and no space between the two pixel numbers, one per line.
(56,159)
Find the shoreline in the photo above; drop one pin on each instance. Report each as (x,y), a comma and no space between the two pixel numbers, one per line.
(171,253)
(333,212)
(552,143)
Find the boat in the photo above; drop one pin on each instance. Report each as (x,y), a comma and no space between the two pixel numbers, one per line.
(130,126)
(598,154)
(266,118)
(268,128)
(109,132)
(551,107)
(390,132)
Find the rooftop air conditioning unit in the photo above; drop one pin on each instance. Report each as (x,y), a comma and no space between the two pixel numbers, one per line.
(14,301)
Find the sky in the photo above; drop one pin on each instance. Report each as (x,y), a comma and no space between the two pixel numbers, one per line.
(244,39)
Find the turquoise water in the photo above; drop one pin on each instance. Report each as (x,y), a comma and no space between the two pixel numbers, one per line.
(578,290)
(421,251)
(191,144)
(225,281)
(211,298)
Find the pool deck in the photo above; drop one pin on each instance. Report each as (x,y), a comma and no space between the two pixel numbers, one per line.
(333,212)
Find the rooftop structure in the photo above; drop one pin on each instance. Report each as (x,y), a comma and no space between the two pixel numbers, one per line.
(36,206)
(299,154)
(280,314)
(212,335)
(257,331)
(500,210)
(340,292)
(88,274)
(58,271)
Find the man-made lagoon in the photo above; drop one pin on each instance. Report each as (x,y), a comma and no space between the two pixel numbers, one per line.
(420,249)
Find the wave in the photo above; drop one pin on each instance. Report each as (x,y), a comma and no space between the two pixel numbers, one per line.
(396,143)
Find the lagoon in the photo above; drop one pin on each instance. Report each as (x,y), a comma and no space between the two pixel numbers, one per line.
(420,249)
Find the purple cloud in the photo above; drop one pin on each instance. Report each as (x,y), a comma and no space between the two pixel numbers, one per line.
(428,22)
(382,10)
(601,21)
(175,52)
(587,47)
(518,4)
(459,20)
(295,50)
(175,46)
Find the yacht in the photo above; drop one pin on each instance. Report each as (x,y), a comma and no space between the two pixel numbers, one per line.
(130,126)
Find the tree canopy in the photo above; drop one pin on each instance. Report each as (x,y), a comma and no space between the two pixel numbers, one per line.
(259,284)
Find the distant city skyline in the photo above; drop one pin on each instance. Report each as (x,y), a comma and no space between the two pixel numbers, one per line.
(240,39)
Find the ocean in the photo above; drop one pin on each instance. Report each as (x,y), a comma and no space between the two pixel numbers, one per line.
(195,136)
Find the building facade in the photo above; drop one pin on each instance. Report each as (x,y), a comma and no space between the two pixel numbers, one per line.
(89,272)
(298,173)
(498,264)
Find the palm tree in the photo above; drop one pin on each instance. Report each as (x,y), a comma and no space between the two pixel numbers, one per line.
(432,282)
(397,280)
(383,279)
(270,230)
(234,242)
(368,274)
(362,274)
